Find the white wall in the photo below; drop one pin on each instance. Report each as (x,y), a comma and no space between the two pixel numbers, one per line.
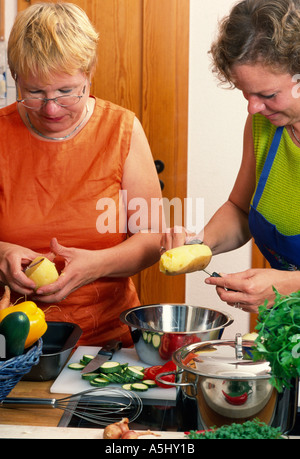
(216,123)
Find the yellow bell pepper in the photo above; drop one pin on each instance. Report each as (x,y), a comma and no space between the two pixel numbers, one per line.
(36,316)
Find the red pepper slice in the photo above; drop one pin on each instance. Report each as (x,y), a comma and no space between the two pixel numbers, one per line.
(151,372)
(167,367)
(170,342)
(167,378)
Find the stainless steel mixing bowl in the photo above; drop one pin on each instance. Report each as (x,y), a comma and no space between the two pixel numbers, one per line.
(158,330)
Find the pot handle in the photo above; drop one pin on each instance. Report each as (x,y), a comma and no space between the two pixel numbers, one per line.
(175,384)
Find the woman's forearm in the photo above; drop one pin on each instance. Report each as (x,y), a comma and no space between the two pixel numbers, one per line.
(227,230)
(130,257)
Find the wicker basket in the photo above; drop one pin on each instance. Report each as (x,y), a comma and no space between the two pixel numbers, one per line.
(12,370)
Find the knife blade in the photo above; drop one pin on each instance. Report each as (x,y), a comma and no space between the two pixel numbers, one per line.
(196,242)
(105,353)
(34,264)
(214,274)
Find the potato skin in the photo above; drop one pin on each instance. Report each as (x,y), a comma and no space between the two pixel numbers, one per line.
(185,259)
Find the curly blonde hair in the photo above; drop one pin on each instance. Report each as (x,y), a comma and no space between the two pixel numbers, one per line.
(47,38)
(265,31)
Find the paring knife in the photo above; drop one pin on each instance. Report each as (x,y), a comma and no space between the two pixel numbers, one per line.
(198,241)
(105,353)
(214,274)
(34,264)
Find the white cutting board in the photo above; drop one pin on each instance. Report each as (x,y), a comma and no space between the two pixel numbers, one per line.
(70,381)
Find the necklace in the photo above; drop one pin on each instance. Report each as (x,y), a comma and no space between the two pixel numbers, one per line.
(294,133)
(58,138)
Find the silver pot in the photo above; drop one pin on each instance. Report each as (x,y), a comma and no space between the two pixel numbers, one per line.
(158,330)
(223,384)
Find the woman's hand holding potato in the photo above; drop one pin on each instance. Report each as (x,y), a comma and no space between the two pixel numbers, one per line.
(81,267)
(174,237)
(14,265)
(13,259)
(178,258)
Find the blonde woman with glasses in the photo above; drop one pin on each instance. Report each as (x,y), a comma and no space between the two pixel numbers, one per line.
(65,158)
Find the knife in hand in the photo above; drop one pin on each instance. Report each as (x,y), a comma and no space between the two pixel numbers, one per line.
(105,353)
(214,274)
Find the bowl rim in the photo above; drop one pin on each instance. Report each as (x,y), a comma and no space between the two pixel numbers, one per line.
(123,318)
(71,340)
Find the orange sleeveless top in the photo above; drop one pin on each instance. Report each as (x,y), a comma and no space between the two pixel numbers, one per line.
(52,189)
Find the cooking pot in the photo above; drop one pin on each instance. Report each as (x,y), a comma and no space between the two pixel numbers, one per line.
(158,330)
(224,385)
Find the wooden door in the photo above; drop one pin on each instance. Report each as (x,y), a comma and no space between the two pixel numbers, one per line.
(143,66)
(258,261)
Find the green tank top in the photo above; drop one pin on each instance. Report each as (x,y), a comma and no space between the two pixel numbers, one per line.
(280,201)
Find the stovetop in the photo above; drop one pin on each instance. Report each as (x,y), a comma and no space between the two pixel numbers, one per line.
(160,415)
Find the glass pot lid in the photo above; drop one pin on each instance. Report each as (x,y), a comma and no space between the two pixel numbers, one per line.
(231,359)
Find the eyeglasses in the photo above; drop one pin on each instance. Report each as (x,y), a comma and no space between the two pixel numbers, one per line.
(36,103)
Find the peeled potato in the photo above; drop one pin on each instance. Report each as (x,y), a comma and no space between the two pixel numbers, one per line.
(42,274)
(250,336)
(185,259)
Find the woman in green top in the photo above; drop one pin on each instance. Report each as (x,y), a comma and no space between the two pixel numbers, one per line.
(258,52)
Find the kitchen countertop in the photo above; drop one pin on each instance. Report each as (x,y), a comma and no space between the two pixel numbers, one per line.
(65,433)
(46,422)
(41,423)
(28,415)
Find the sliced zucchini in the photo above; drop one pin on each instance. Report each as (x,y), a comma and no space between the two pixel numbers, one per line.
(111,372)
(76,366)
(87,358)
(99,382)
(117,378)
(156,340)
(139,387)
(137,367)
(149,383)
(135,373)
(145,336)
(127,378)
(110,367)
(126,386)
(107,376)
(89,376)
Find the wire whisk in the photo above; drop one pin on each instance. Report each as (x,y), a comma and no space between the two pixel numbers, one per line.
(100,406)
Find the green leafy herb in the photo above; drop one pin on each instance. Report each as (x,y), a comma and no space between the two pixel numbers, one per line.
(278,340)
(248,430)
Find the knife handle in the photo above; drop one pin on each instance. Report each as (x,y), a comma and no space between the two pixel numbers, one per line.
(110,347)
(214,274)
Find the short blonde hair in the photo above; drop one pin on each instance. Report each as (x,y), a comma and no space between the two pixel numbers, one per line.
(47,38)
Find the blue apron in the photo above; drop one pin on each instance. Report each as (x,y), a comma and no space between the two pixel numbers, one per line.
(282,252)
